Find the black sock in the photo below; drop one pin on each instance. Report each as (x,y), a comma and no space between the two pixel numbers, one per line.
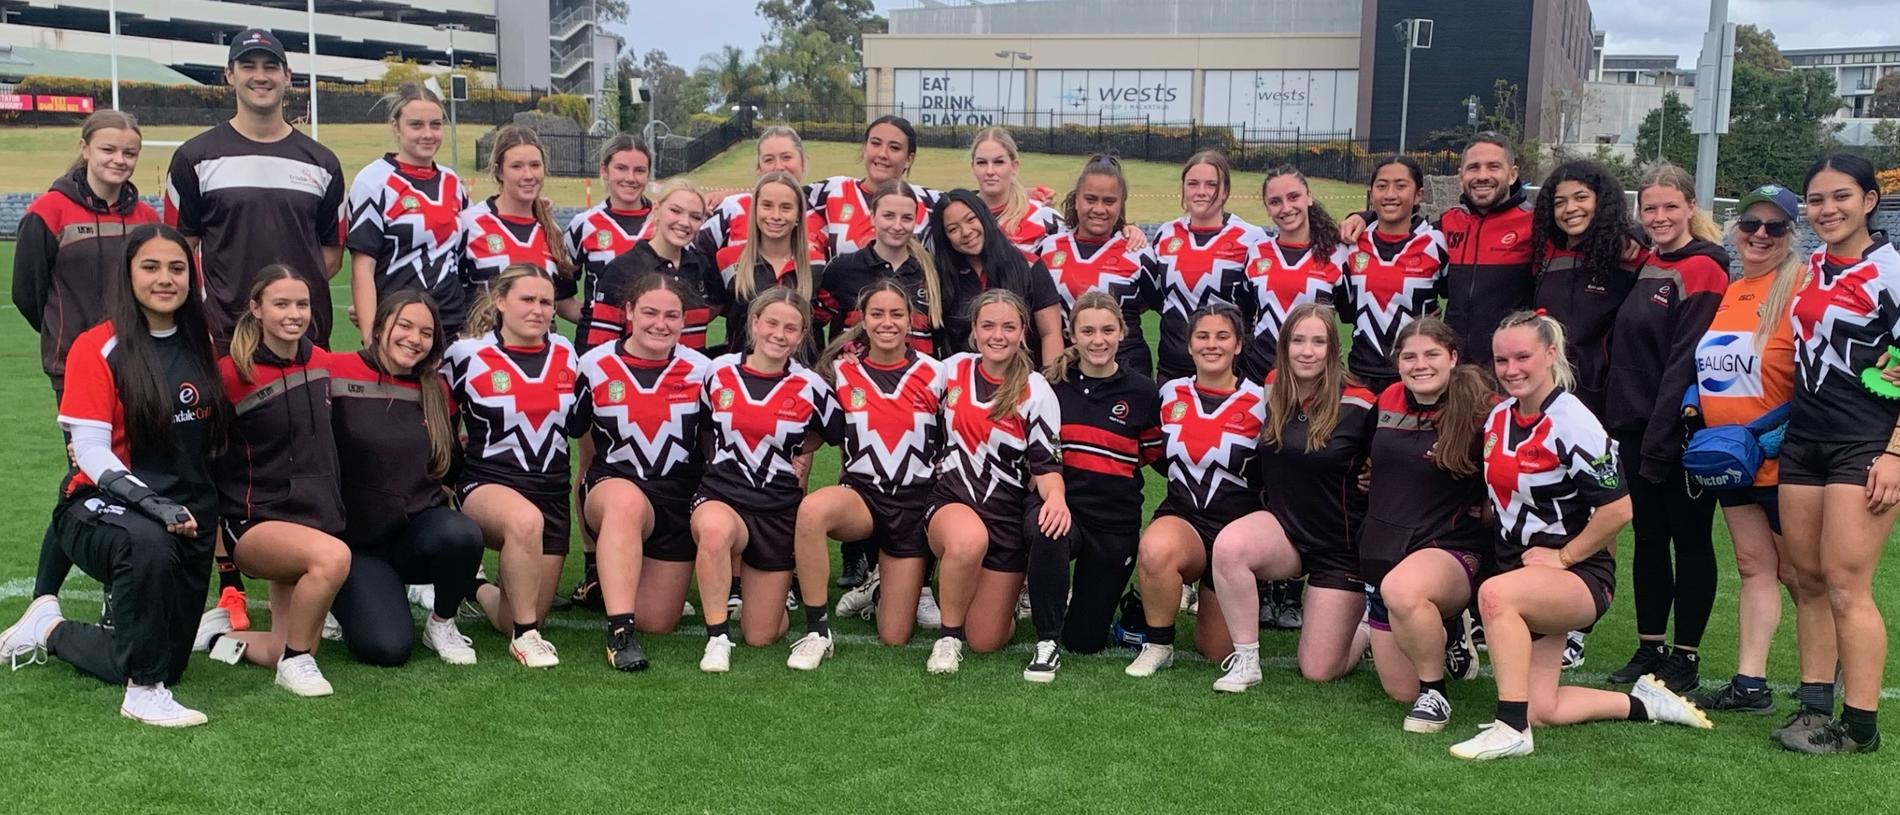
(617,623)
(475,588)
(1435,684)
(1816,697)
(228,576)
(816,622)
(212,644)
(1161,635)
(954,632)
(1639,712)
(290,653)
(589,571)
(1515,714)
(714,630)
(523,628)
(1862,725)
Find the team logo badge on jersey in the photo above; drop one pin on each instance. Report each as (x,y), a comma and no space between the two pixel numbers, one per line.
(1360,260)
(723,398)
(616,392)
(501,381)
(856,399)
(1056,260)
(846,212)
(1174,245)
(1176,410)
(954,395)
(1603,468)
(603,239)
(1490,443)
(1508,239)
(494,243)
(409,203)
(1120,410)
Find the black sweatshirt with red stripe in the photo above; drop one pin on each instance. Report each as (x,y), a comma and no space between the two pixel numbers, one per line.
(69,240)
(382,444)
(281,463)
(1653,349)
(1111,429)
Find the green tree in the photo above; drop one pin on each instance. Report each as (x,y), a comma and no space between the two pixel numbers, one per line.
(735,79)
(1779,122)
(1886,101)
(815,77)
(844,21)
(1665,132)
(1756,46)
(631,115)
(673,97)
(610,11)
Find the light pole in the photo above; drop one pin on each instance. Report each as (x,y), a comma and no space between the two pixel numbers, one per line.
(455,153)
(1710,117)
(310,17)
(112,37)
(1009,89)
(1413,33)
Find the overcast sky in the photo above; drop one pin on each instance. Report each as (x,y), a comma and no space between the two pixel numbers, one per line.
(689,29)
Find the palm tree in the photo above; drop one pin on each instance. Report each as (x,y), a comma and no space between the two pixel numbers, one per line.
(738,79)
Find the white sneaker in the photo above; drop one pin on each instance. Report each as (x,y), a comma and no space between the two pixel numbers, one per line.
(447,641)
(718,657)
(24,643)
(212,623)
(928,615)
(945,656)
(1190,599)
(421,595)
(332,630)
(1022,604)
(1494,740)
(1152,658)
(1243,671)
(1665,705)
(300,675)
(534,651)
(861,601)
(1430,713)
(808,651)
(687,610)
(154,705)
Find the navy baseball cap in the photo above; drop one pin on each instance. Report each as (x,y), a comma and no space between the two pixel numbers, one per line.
(1781,197)
(257,39)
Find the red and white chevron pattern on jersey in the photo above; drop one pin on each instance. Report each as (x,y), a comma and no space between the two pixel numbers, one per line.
(1279,286)
(1198,271)
(1040,222)
(839,202)
(1533,473)
(419,222)
(1112,269)
(725,231)
(595,237)
(495,243)
(644,414)
(760,423)
(1844,318)
(892,426)
(516,419)
(1389,294)
(981,454)
(1209,439)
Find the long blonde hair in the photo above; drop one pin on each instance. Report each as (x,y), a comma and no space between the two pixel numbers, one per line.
(1015,385)
(1791,273)
(855,335)
(742,284)
(507,138)
(1701,224)
(1071,356)
(103,119)
(484,315)
(1551,334)
(1283,399)
(933,288)
(1016,199)
(248,335)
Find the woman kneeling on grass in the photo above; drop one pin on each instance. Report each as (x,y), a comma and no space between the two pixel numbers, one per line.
(1556,489)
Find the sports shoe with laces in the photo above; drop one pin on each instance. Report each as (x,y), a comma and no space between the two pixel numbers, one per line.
(1681,671)
(854,572)
(1667,706)
(718,656)
(1648,658)
(534,651)
(624,652)
(233,601)
(1573,650)
(1152,658)
(1494,740)
(420,595)
(809,651)
(1832,738)
(587,595)
(1461,656)
(1243,672)
(154,705)
(447,641)
(861,601)
(1798,726)
(300,675)
(332,630)
(24,642)
(928,615)
(945,656)
(1736,699)
(1022,603)
(1044,662)
(1430,713)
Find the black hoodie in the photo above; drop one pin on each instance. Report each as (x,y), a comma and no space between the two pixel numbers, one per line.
(69,241)
(1488,274)
(1652,350)
(281,463)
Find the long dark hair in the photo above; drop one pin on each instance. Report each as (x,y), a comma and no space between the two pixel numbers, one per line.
(1003,264)
(1855,167)
(903,126)
(1322,232)
(1104,165)
(428,373)
(1600,249)
(144,395)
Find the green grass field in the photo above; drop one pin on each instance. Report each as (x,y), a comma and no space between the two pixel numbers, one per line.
(36,154)
(869,732)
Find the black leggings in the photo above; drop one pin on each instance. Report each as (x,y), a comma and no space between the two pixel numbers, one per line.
(1103,561)
(439,546)
(157,581)
(1666,518)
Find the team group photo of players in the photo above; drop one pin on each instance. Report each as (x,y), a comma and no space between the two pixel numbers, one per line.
(1417,439)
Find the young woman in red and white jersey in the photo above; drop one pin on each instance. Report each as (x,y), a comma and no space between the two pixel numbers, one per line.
(1302,262)
(1745,365)
(146,413)
(1025,221)
(1840,465)
(1424,540)
(1313,449)
(639,398)
(889,396)
(513,379)
(405,211)
(515,226)
(1210,427)
(1652,361)
(1111,429)
(895,254)
(776,252)
(670,248)
(999,481)
(1203,256)
(842,202)
(1556,488)
(972,252)
(1393,272)
(279,500)
(780,151)
(394,422)
(764,412)
(1098,256)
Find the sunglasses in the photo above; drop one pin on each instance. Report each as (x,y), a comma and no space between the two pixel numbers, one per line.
(1776,228)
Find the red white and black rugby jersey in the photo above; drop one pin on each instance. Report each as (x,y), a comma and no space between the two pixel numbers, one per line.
(1844,319)
(722,236)
(598,234)
(1414,503)
(1111,429)
(645,417)
(516,404)
(765,277)
(410,219)
(759,423)
(891,430)
(1547,474)
(840,202)
(1209,441)
(1315,494)
(280,463)
(183,473)
(1199,268)
(845,277)
(1286,276)
(1390,283)
(495,242)
(604,318)
(1040,222)
(1078,267)
(986,460)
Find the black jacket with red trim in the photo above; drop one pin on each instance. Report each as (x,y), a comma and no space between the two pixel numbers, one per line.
(69,240)
(1585,301)
(1488,271)
(1111,429)
(280,463)
(1653,349)
(382,445)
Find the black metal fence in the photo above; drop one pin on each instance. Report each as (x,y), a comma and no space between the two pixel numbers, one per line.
(578,154)
(205,106)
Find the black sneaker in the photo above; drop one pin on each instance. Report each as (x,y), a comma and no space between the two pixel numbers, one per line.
(624,651)
(1573,651)
(1044,662)
(1831,738)
(1429,714)
(1477,632)
(1797,727)
(1648,659)
(105,611)
(1461,659)
(854,572)
(1736,699)
(587,595)
(1680,672)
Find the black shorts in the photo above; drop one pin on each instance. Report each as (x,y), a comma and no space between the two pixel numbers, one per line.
(1768,498)
(1598,573)
(1331,567)
(769,545)
(899,523)
(1380,618)
(672,538)
(1820,463)
(1005,521)
(1207,525)
(556,513)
